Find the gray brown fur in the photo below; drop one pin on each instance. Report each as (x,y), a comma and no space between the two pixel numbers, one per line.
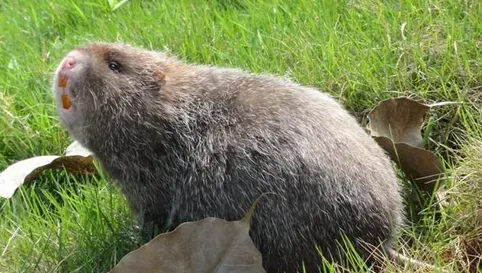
(201,141)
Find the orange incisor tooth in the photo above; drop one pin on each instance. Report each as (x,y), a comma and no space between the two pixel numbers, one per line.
(62,81)
(66,103)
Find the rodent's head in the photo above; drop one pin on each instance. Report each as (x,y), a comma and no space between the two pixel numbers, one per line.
(103,84)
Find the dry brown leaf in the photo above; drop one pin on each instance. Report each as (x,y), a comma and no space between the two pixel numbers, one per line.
(422,166)
(396,126)
(77,159)
(399,119)
(209,245)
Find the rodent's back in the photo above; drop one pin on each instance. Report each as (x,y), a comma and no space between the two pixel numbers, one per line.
(209,141)
(279,118)
(245,135)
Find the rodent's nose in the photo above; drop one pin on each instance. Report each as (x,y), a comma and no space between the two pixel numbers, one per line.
(69,63)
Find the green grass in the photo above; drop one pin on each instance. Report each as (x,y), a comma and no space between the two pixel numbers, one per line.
(359,51)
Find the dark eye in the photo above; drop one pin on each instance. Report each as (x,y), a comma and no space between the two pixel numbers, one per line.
(114,66)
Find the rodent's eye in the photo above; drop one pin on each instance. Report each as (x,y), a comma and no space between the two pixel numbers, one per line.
(114,66)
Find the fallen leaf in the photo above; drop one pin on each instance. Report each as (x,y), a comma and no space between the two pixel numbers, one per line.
(14,176)
(396,126)
(75,148)
(77,159)
(208,245)
(399,119)
(422,166)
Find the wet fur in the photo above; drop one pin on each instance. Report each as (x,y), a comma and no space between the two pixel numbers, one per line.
(201,141)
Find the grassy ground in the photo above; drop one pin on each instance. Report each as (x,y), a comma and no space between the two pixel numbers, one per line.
(360,51)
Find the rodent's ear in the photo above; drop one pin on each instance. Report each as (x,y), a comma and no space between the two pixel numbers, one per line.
(159,76)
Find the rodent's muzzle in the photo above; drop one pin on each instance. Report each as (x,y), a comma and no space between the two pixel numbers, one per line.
(64,72)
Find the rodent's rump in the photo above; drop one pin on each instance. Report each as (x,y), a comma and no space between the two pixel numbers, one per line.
(185,142)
